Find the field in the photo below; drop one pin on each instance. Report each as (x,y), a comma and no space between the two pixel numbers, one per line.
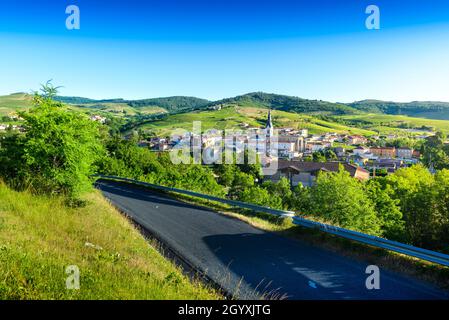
(13,103)
(120,109)
(235,116)
(40,237)
(395,123)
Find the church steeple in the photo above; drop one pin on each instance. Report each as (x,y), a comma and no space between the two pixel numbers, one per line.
(269,132)
(269,122)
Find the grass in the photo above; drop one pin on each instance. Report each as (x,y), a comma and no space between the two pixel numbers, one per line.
(14,102)
(40,237)
(233,117)
(119,109)
(386,124)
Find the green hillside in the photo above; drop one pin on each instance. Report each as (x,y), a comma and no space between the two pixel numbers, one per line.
(286,103)
(235,117)
(40,237)
(384,123)
(421,109)
(171,104)
(14,102)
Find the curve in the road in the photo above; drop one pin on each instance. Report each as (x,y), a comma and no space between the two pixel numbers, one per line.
(251,263)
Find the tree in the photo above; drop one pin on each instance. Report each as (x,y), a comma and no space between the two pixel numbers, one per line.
(241,182)
(435,152)
(319,157)
(418,194)
(339,199)
(280,189)
(260,196)
(387,210)
(59,148)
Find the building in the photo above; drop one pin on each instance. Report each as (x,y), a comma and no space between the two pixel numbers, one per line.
(357,140)
(384,152)
(269,131)
(359,151)
(318,146)
(304,133)
(404,153)
(391,165)
(306,172)
(340,152)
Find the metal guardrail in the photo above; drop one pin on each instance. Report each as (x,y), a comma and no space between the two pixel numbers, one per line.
(424,254)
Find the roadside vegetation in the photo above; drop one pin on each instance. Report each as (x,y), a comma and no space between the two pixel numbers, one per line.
(40,237)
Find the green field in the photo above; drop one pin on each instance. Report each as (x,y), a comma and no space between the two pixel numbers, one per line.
(40,237)
(120,109)
(14,102)
(394,123)
(233,117)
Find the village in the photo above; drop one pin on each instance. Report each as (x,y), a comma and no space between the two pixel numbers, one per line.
(299,154)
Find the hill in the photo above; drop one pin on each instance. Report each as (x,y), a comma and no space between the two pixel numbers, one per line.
(14,102)
(286,103)
(171,104)
(40,237)
(422,109)
(236,117)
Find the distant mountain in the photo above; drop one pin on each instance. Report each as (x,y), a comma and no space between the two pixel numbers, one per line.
(422,109)
(182,104)
(81,100)
(287,103)
(171,104)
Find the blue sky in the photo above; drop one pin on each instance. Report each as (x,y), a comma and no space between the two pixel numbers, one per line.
(318,49)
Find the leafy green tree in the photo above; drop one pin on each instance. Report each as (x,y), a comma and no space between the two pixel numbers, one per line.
(241,182)
(319,157)
(261,196)
(387,210)
(281,190)
(419,198)
(59,148)
(226,173)
(435,152)
(339,199)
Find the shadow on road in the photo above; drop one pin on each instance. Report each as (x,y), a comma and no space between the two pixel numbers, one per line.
(278,268)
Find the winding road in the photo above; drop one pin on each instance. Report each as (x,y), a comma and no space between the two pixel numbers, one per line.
(251,263)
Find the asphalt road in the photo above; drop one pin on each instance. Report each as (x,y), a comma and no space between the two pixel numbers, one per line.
(251,263)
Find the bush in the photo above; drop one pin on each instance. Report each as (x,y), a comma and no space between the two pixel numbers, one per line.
(57,152)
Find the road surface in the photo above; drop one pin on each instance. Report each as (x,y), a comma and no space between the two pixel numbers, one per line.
(250,263)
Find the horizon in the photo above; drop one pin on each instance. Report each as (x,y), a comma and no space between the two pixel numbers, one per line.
(190,96)
(317,50)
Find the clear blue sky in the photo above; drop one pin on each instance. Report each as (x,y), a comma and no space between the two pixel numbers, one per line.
(317,49)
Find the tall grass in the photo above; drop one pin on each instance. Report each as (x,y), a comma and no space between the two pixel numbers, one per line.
(40,237)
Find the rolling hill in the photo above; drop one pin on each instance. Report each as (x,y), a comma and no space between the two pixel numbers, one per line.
(421,109)
(286,103)
(170,104)
(163,114)
(238,117)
